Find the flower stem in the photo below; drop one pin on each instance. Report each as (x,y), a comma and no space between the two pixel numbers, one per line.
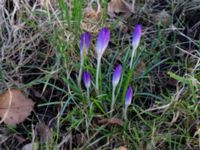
(113,100)
(97,74)
(132,56)
(125,113)
(88,94)
(80,71)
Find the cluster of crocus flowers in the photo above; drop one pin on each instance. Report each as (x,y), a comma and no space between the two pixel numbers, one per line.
(84,46)
(101,45)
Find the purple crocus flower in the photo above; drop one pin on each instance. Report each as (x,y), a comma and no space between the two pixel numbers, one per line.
(84,43)
(86,79)
(129,96)
(102,41)
(116,75)
(136,35)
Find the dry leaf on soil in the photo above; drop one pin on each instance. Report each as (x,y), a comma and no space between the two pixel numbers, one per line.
(80,138)
(121,148)
(92,14)
(31,146)
(140,69)
(111,121)
(162,17)
(45,3)
(19,138)
(120,6)
(15,107)
(44,132)
(92,17)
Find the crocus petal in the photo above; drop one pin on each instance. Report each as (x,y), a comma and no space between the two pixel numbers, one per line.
(102,41)
(129,96)
(136,36)
(84,43)
(116,75)
(86,79)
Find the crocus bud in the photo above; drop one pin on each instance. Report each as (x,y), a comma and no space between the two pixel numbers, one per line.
(116,75)
(102,41)
(136,36)
(84,43)
(135,41)
(129,96)
(86,79)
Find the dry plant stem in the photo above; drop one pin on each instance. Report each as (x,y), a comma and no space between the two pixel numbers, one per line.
(175,98)
(64,140)
(113,101)
(87,127)
(80,71)
(97,74)
(125,113)
(33,134)
(133,5)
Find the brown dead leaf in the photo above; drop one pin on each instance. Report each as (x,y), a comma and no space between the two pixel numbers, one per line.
(80,138)
(111,121)
(15,107)
(140,69)
(121,148)
(31,146)
(172,82)
(92,17)
(47,3)
(92,14)
(120,6)
(44,132)
(162,17)
(19,139)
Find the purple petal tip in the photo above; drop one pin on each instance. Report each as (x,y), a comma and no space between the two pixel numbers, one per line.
(86,79)
(102,41)
(137,33)
(116,75)
(84,42)
(129,95)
